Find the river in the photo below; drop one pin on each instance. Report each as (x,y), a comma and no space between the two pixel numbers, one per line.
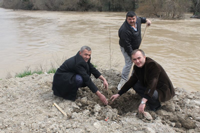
(44,39)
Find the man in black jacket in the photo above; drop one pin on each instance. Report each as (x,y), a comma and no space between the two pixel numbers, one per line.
(129,40)
(75,72)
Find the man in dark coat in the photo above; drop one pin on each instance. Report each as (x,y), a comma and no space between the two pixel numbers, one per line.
(75,72)
(129,40)
(149,80)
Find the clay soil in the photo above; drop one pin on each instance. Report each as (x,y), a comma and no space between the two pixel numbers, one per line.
(27,105)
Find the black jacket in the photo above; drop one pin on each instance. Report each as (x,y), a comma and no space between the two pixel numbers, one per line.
(130,39)
(63,81)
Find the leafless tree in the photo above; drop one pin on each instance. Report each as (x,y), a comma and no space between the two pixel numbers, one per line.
(196,7)
(164,8)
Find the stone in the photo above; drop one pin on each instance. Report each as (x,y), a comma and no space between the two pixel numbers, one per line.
(164,113)
(147,116)
(191,96)
(97,125)
(198,119)
(115,125)
(178,125)
(187,123)
(97,108)
(84,100)
(175,98)
(177,108)
(149,130)
(169,106)
(173,124)
(197,102)
(75,106)
(86,113)
(74,115)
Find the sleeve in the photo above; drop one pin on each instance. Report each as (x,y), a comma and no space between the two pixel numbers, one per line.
(80,69)
(94,71)
(143,19)
(152,76)
(129,84)
(125,38)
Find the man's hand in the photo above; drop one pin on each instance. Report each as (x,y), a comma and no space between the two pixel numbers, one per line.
(141,108)
(105,83)
(142,105)
(102,98)
(113,97)
(148,22)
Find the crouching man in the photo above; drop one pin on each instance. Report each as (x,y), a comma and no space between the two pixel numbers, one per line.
(149,80)
(75,72)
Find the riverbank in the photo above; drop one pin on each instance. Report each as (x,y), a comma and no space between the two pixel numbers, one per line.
(27,106)
(42,39)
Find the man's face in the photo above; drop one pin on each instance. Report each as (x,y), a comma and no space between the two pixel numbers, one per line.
(131,20)
(138,59)
(85,54)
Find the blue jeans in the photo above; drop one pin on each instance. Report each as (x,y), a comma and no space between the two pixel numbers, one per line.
(128,64)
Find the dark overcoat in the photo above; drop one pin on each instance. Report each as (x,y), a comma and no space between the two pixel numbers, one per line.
(153,77)
(64,84)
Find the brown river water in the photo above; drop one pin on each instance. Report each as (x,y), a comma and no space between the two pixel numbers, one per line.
(42,39)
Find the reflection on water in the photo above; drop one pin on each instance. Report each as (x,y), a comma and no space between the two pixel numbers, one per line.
(41,39)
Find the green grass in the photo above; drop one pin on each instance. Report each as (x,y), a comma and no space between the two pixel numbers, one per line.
(38,72)
(52,70)
(29,72)
(24,74)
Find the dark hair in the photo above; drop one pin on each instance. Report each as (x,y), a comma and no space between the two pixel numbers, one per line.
(136,50)
(130,14)
(85,47)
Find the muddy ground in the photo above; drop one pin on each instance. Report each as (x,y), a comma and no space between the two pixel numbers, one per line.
(27,105)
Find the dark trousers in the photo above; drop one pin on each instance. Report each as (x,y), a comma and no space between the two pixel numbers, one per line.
(71,94)
(79,82)
(153,101)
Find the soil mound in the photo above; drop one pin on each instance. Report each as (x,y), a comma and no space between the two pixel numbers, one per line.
(27,106)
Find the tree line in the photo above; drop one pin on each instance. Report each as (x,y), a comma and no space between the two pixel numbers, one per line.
(151,8)
(169,8)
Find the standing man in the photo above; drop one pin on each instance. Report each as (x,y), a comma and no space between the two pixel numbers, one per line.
(129,40)
(149,80)
(75,72)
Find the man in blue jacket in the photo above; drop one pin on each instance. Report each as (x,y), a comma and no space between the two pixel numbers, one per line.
(129,40)
(75,72)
